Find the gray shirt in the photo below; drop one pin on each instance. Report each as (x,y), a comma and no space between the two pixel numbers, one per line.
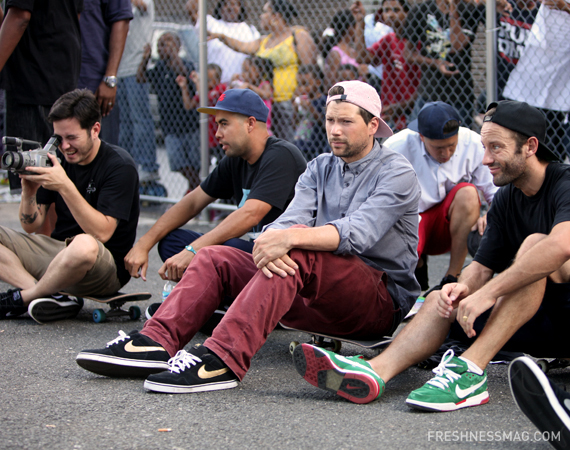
(373,203)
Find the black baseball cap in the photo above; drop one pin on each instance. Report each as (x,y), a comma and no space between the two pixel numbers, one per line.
(524,119)
(432,119)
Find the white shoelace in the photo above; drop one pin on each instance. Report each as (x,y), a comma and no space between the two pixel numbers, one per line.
(444,376)
(182,360)
(122,337)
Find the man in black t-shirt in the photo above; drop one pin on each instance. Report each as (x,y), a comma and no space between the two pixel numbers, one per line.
(95,192)
(445,31)
(40,52)
(259,173)
(526,306)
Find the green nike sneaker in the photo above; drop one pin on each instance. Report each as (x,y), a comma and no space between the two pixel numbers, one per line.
(455,386)
(350,377)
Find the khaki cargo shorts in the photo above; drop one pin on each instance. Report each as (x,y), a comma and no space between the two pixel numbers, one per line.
(36,253)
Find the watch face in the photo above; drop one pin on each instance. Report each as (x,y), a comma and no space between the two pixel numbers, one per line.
(110,81)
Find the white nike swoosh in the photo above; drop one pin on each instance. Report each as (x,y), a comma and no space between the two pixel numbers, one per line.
(205,374)
(462,393)
(129,347)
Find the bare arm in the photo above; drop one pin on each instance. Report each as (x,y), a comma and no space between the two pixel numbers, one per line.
(141,71)
(187,208)
(12,30)
(106,95)
(271,248)
(306,47)
(249,48)
(413,56)
(235,225)
(458,39)
(32,215)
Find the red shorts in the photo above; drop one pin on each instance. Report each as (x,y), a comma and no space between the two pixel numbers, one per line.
(434,236)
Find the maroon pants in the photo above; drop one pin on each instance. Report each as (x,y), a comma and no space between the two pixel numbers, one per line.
(332,294)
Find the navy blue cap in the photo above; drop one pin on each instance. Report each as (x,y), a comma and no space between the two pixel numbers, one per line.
(240,101)
(432,118)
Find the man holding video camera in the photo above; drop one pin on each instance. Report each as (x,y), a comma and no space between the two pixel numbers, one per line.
(95,192)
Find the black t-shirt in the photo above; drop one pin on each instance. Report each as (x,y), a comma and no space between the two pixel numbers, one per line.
(427,26)
(513,217)
(45,64)
(174,119)
(271,178)
(110,185)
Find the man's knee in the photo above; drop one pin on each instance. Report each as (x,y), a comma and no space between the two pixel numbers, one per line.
(466,197)
(83,249)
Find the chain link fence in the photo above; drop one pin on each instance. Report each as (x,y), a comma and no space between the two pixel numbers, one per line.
(291,53)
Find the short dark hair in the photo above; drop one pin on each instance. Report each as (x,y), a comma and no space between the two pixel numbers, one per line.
(403,3)
(520,139)
(79,104)
(242,17)
(339,90)
(284,9)
(216,68)
(451,126)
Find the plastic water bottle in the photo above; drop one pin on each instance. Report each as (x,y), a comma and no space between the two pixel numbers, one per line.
(167,289)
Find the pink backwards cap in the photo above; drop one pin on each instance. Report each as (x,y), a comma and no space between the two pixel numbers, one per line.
(365,96)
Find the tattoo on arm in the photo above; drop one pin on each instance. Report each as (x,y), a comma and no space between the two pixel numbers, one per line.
(29,218)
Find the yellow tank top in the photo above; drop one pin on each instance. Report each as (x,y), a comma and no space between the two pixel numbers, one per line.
(285,66)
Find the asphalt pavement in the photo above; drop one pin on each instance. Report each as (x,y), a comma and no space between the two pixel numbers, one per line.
(47,401)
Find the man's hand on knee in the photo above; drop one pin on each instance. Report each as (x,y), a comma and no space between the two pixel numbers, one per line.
(281,266)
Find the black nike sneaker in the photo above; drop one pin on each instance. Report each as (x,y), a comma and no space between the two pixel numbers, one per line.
(129,355)
(198,370)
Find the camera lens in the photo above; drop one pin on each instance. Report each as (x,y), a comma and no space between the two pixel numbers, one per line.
(12,160)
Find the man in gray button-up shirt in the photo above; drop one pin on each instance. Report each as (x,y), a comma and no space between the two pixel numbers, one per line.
(340,260)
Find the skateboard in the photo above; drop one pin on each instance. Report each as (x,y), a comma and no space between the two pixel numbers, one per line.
(334,343)
(547,364)
(115,302)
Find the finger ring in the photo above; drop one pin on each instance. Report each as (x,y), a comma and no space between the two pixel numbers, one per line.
(465,318)
(110,103)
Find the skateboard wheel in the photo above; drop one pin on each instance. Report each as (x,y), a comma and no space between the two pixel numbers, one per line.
(543,364)
(337,345)
(292,346)
(134,312)
(99,316)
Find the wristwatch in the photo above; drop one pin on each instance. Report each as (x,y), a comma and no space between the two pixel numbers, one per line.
(110,81)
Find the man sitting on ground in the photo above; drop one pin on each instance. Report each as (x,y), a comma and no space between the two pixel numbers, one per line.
(448,161)
(259,172)
(95,191)
(339,260)
(526,306)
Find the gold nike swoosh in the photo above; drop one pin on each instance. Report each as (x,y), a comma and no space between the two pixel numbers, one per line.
(129,347)
(205,374)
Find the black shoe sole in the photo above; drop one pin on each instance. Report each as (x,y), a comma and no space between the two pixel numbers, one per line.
(537,400)
(48,310)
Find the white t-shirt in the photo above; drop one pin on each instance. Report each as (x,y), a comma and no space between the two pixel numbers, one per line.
(140,33)
(219,53)
(436,179)
(541,77)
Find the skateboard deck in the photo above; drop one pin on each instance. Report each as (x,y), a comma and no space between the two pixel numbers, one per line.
(115,302)
(334,343)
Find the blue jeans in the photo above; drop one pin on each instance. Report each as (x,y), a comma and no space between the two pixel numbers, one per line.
(175,241)
(183,150)
(137,127)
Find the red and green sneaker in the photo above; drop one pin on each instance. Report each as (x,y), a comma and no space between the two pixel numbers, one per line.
(350,377)
(455,386)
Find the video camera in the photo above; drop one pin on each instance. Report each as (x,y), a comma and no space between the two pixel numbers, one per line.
(18,161)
